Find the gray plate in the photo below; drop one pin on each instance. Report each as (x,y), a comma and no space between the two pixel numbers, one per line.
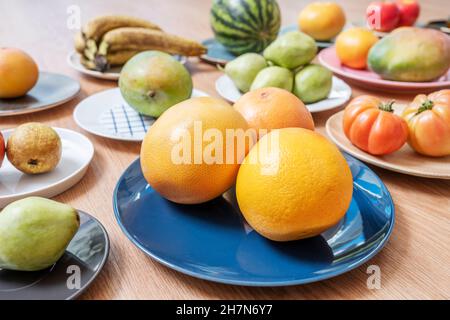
(83,260)
(51,90)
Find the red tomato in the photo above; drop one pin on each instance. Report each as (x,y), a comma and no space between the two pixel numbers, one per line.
(372,126)
(2,149)
(382,16)
(409,12)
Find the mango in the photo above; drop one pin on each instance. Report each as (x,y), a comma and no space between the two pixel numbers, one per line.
(411,54)
(153,81)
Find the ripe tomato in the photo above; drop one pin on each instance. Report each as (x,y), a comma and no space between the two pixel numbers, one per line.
(382,16)
(353,45)
(428,119)
(372,126)
(409,12)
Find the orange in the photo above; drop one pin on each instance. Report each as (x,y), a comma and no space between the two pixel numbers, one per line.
(353,45)
(273,108)
(322,20)
(293,184)
(18,73)
(184,153)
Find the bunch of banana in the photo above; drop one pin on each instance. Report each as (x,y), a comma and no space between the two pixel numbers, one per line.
(112,40)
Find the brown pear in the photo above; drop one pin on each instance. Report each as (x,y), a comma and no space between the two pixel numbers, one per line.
(34,148)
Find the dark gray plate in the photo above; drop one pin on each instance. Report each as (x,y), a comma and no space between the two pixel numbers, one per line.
(51,90)
(70,276)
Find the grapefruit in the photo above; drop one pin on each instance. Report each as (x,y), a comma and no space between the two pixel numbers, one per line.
(293,184)
(273,108)
(187,157)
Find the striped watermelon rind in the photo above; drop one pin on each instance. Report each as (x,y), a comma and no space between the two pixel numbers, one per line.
(244,26)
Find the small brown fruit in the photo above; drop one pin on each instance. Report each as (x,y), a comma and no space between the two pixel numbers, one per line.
(34,148)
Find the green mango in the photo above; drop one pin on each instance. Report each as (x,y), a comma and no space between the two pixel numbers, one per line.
(244,69)
(35,232)
(313,83)
(152,81)
(411,54)
(274,77)
(291,50)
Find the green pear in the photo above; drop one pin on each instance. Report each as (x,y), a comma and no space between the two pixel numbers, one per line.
(244,69)
(35,232)
(274,77)
(313,83)
(291,50)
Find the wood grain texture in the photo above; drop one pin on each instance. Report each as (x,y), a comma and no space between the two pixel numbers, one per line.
(415,262)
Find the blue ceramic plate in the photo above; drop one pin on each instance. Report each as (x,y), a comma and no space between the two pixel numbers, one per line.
(212,241)
(218,54)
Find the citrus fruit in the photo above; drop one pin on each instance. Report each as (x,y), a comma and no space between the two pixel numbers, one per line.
(18,73)
(307,179)
(186,155)
(273,108)
(353,45)
(322,20)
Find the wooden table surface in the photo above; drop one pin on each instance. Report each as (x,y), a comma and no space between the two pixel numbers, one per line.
(415,264)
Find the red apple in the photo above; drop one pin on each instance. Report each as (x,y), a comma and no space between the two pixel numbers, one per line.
(2,149)
(409,12)
(382,16)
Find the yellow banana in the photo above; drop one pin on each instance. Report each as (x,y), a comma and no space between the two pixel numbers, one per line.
(97,27)
(79,42)
(141,39)
(119,58)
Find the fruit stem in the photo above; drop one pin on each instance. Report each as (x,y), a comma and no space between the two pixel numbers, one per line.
(151,93)
(387,106)
(427,105)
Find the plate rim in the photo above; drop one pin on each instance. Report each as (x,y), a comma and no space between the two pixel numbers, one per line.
(76,112)
(312,110)
(100,267)
(103,262)
(389,84)
(81,169)
(364,158)
(46,107)
(373,252)
(111,76)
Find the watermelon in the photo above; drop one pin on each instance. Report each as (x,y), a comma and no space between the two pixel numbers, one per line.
(243,26)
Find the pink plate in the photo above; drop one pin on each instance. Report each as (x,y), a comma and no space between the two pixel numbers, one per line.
(371,80)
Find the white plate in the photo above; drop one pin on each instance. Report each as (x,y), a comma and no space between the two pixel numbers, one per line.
(106,114)
(340,94)
(73,59)
(77,153)
(51,90)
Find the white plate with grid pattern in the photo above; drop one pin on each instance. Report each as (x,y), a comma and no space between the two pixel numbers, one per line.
(106,114)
